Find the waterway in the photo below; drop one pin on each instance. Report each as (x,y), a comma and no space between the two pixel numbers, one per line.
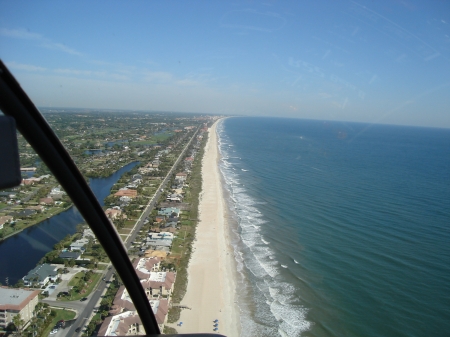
(20,253)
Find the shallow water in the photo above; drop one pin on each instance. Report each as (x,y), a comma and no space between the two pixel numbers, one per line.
(341,228)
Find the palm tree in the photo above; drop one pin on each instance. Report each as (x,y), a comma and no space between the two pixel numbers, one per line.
(18,323)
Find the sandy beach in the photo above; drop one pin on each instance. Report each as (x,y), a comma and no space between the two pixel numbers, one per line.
(211,289)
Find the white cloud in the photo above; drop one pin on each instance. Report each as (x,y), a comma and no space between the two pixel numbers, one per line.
(26,67)
(41,40)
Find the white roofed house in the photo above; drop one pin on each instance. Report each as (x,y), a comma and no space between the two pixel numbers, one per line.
(175,197)
(79,245)
(144,266)
(182,176)
(160,239)
(159,284)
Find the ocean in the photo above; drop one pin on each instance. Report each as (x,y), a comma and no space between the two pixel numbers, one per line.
(339,229)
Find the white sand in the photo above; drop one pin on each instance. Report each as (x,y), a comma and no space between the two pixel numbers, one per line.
(211,289)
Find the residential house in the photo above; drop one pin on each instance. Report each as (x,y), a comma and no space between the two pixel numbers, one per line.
(169,211)
(125,200)
(173,219)
(79,244)
(113,213)
(4,220)
(124,192)
(70,255)
(159,219)
(42,274)
(28,181)
(46,201)
(182,176)
(88,233)
(175,197)
(23,213)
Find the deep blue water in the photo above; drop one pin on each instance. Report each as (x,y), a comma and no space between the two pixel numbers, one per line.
(342,229)
(20,253)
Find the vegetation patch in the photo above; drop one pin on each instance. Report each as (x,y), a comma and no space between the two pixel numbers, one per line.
(184,245)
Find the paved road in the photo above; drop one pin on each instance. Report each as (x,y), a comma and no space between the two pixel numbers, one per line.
(86,308)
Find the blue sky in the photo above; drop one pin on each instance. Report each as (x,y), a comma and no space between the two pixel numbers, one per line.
(369,61)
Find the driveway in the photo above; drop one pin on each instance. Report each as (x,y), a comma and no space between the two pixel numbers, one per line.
(64,284)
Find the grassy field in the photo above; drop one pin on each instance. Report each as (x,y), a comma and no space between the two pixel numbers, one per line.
(60,314)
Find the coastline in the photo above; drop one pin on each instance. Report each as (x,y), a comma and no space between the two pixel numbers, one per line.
(211,290)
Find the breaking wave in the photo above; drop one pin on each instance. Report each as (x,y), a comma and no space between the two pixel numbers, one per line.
(273,308)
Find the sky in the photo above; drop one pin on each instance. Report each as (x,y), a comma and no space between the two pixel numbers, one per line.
(365,61)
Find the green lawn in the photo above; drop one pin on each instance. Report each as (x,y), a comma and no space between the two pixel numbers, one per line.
(60,314)
(95,278)
(129,225)
(101,266)
(76,278)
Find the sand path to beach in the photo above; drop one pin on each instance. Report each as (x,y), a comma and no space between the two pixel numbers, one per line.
(211,292)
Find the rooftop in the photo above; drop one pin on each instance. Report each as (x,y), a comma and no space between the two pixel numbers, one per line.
(15,299)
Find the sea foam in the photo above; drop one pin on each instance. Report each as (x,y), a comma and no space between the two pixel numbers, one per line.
(275,304)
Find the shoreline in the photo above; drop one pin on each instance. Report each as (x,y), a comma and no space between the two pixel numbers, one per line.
(211,290)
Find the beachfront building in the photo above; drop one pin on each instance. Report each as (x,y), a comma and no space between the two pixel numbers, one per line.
(175,197)
(169,211)
(182,176)
(41,274)
(160,239)
(124,324)
(14,302)
(122,302)
(160,309)
(123,320)
(159,284)
(144,266)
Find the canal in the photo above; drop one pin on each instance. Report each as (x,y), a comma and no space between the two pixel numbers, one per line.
(21,252)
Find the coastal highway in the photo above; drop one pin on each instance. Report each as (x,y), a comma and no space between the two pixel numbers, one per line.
(86,308)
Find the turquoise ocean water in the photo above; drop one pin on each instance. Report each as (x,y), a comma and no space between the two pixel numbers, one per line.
(340,229)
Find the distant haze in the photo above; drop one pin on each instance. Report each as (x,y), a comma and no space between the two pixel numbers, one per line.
(367,61)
